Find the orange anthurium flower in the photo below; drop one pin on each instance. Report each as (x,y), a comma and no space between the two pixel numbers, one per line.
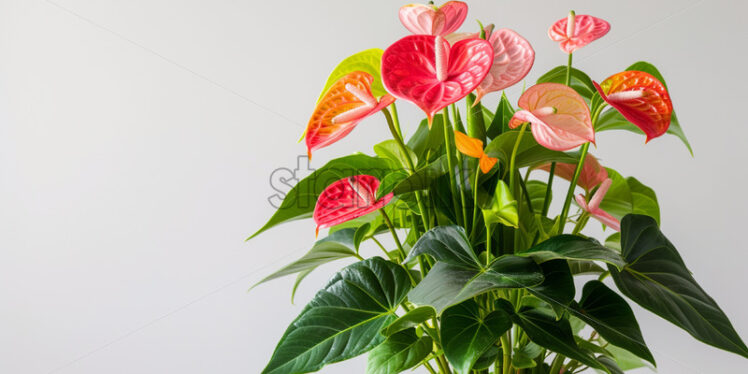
(592,172)
(474,148)
(641,98)
(342,107)
(576,31)
(422,19)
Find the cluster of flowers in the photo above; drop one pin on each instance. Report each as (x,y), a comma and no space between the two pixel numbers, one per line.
(436,67)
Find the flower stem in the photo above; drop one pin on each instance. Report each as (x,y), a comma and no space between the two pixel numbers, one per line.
(514,156)
(506,348)
(568,70)
(394,234)
(449,149)
(572,186)
(460,161)
(557,363)
(475,203)
(548,190)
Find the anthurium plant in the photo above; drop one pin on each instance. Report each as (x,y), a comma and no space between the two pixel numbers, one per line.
(480,275)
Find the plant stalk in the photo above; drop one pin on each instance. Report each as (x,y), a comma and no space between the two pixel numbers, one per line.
(572,187)
(449,149)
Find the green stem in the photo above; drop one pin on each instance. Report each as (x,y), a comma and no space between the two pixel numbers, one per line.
(514,156)
(557,363)
(572,186)
(475,203)
(568,70)
(449,149)
(396,119)
(394,126)
(506,349)
(455,120)
(488,245)
(581,222)
(394,234)
(547,199)
(429,368)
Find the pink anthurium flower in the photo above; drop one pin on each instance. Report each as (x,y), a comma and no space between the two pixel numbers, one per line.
(430,73)
(592,172)
(342,107)
(559,117)
(641,98)
(576,31)
(348,198)
(422,19)
(513,58)
(593,207)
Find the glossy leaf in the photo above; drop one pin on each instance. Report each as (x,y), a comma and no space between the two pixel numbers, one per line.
(610,364)
(628,195)
(398,353)
(501,118)
(300,201)
(657,279)
(501,207)
(410,319)
(557,288)
(524,358)
(368,61)
(610,315)
(580,81)
(448,244)
(411,70)
(560,119)
(422,19)
(585,267)
(537,189)
(572,247)
(390,182)
(466,334)
(344,319)
(424,177)
(338,245)
(529,152)
(555,335)
(448,284)
(389,149)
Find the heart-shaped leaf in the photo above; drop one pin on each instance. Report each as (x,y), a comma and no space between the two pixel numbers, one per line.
(344,319)
(368,61)
(572,247)
(448,244)
(410,319)
(579,81)
(398,353)
(657,279)
(466,334)
(529,152)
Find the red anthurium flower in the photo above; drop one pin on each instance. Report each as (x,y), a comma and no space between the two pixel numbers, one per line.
(593,207)
(342,107)
(559,117)
(513,57)
(592,172)
(576,31)
(641,98)
(474,148)
(427,71)
(348,198)
(422,19)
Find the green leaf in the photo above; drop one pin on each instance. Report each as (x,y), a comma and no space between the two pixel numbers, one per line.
(487,358)
(529,152)
(643,199)
(500,207)
(368,61)
(610,364)
(398,353)
(536,189)
(300,201)
(628,195)
(423,178)
(572,247)
(428,140)
(466,334)
(448,244)
(610,315)
(557,288)
(389,149)
(361,233)
(524,358)
(584,267)
(580,82)
(410,319)
(447,284)
(300,277)
(390,182)
(500,122)
(476,127)
(337,246)
(554,335)
(657,279)
(625,359)
(344,319)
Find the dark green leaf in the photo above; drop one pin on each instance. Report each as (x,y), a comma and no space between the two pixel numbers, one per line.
(390,182)
(398,353)
(410,319)
(610,315)
(643,199)
(344,319)
(500,122)
(628,195)
(550,333)
(300,201)
(610,364)
(466,335)
(529,152)
(558,287)
(448,244)
(426,140)
(476,128)
(524,358)
(423,178)
(572,247)
(657,279)
(585,267)
(389,149)
(580,82)
(536,189)
(487,358)
(338,245)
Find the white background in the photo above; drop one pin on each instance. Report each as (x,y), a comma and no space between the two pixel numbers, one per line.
(137,139)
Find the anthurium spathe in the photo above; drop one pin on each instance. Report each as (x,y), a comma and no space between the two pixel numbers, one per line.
(559,117)
(593,207)
(576,31)
(641,98)
(422,19)
(348,198)
(474,148)
(592,172)
(430,73)
(513,58)
(342,107)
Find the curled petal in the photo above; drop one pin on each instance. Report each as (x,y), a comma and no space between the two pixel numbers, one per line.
(592,172)
(468,146)
(409,70)
(513,58)
(585,30)
(421,19)
(348,198)
(641,98)
(344,105)
(560,117)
